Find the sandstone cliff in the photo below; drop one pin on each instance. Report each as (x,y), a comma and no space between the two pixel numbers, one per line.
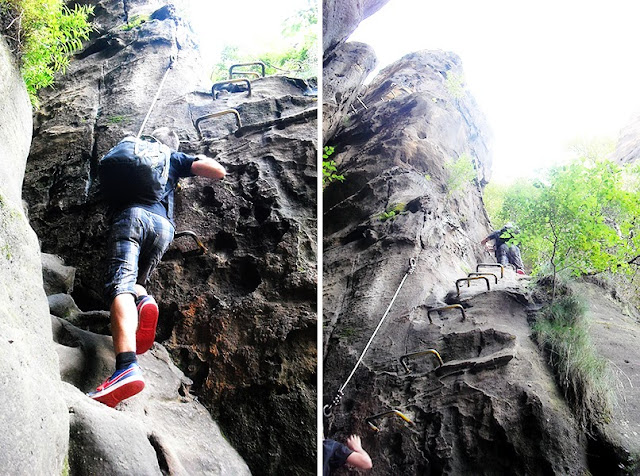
(239,320)
(34,416)
(492,406)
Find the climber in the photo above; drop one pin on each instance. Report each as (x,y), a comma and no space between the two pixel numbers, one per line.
(335,455)
(141,231)
(507,252)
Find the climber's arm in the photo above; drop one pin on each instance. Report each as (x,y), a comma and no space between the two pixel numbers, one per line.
(359,458)
(208,167)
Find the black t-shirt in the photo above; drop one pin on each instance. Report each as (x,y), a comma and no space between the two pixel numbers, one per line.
(180,167)
(334,455)
(504,235)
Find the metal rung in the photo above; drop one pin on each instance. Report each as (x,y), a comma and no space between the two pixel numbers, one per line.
(390,412)
(484,274)
(201,248)
(403,359)
(216,114)
(491,265)
(248,73)
(444,308)
(256,63)
(230,81)
(468,280)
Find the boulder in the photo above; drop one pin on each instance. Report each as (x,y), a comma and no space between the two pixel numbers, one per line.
(57,277)
(162,430)
(62,305)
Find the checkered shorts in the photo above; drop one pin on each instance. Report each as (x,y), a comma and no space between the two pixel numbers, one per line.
(138,240)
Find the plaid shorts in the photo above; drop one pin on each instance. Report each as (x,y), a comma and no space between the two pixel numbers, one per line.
(138,240)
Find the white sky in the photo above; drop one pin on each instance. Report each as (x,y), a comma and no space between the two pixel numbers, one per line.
(252,25)
(544,73)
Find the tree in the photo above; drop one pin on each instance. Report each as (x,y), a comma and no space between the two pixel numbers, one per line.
(580,218)
(299,58)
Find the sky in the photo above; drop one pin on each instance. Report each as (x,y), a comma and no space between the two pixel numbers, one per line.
(252,25)
(544,73)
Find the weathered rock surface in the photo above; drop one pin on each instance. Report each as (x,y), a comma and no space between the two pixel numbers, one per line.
(34,417)
(628,146)
(493,407)
(162,430)
(614,331)
(58,278)
(344,70)
(394,154)
(240,319)
(340,18)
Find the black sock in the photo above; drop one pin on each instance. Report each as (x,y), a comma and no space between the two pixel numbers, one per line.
(124,359)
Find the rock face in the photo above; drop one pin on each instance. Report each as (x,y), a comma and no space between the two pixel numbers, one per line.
(395,157)
(34,416)
(162,430)
(345,70)
(340,18)
(240,319)
(493,406)
(628,148)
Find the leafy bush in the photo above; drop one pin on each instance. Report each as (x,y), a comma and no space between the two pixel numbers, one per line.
(393,211)
(563,332)
(462,172)
(580,218)
(329,168)
(43,34)
(135,21)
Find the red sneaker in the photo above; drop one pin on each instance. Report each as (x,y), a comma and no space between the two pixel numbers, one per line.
(520,271)
(147,322)
(122,384)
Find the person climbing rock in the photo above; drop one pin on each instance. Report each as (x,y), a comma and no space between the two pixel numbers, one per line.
(336,455)
(507,252)
(142,229)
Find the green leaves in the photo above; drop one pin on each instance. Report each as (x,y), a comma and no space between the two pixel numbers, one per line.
(580,218)
(298,58)
(51,32)
(329,168)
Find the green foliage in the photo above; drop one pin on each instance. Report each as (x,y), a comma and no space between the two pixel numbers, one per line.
(580,218)
(135,21)
(329,168)
(455,85)
(66,470)
(298,58)
(45,34)
(493,197)
(393,211)
(584,376)
(117,119)
(462,172)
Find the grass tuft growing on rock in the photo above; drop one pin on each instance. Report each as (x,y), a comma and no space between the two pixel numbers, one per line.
(563,331)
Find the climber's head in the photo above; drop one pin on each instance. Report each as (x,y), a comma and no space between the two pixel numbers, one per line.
(167,137)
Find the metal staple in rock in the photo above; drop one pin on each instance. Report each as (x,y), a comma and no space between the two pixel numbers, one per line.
(336,400)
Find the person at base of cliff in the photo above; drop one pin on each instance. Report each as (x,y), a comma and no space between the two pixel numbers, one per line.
(140,234)
(336,455)
(507,252)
